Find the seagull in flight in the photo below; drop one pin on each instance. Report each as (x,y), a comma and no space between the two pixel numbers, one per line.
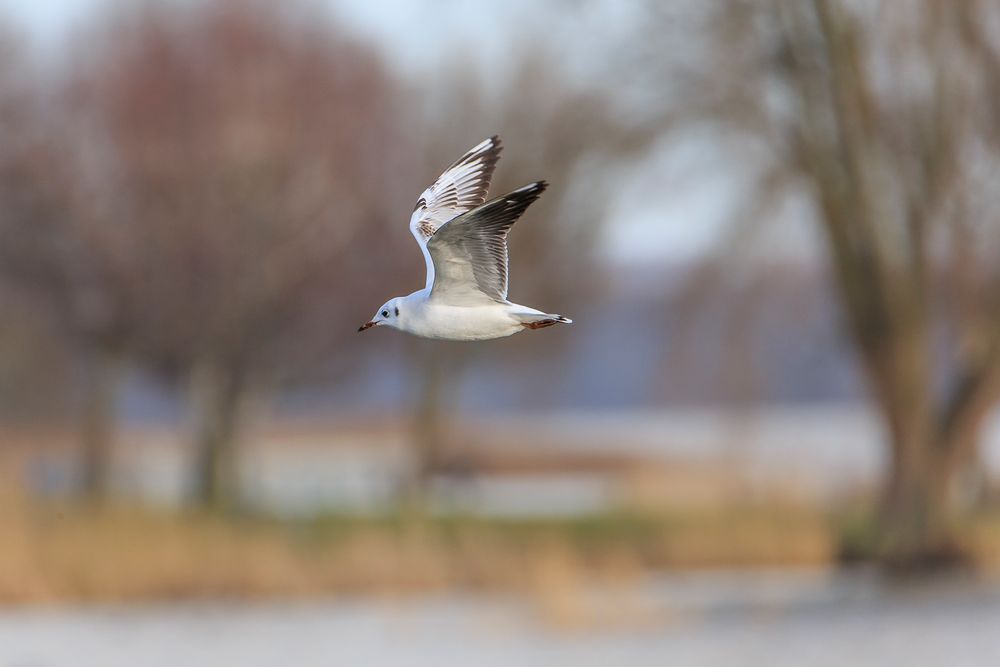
(464,241)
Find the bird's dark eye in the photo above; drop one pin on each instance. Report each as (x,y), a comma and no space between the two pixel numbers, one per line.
(385,313)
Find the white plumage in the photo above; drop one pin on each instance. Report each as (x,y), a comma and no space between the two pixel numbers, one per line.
(464,242)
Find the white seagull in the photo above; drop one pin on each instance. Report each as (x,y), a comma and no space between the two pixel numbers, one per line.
(464,241)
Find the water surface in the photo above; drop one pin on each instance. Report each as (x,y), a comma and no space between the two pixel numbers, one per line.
(708,619)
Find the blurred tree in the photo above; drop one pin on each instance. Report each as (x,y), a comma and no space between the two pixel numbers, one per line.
(249,142)
(60,252)
(883,117)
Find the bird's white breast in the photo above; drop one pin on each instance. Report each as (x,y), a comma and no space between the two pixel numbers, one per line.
(432,320)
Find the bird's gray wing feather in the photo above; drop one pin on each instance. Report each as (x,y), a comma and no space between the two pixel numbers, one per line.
(470,252)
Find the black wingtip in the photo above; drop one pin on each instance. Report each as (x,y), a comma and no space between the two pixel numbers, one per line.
(531,189)
(493,145)
(493,150)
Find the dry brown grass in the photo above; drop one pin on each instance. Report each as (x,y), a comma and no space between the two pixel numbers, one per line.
(51,552)
(63,553)
(54,553)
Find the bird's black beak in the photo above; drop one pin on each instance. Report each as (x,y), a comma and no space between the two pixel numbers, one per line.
(366,325)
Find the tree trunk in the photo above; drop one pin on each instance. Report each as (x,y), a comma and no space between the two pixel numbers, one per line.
(915,530)
(218,397)
(97,424)
(427,429)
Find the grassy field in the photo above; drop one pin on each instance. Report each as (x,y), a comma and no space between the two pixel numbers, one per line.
(62,553)
(56,553)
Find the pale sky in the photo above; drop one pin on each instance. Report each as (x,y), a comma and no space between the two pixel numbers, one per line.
(46,22)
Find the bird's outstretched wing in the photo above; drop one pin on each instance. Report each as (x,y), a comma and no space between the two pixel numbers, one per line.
(461,188)
(469,253)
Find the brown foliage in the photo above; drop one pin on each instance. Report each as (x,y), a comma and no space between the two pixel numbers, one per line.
(194,194)
(249,147)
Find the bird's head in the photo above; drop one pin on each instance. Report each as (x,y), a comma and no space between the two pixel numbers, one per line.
(388,314)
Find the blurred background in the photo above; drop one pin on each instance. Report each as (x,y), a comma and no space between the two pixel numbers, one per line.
(770,437)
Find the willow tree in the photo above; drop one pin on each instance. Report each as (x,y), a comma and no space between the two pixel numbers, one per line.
(882,117)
